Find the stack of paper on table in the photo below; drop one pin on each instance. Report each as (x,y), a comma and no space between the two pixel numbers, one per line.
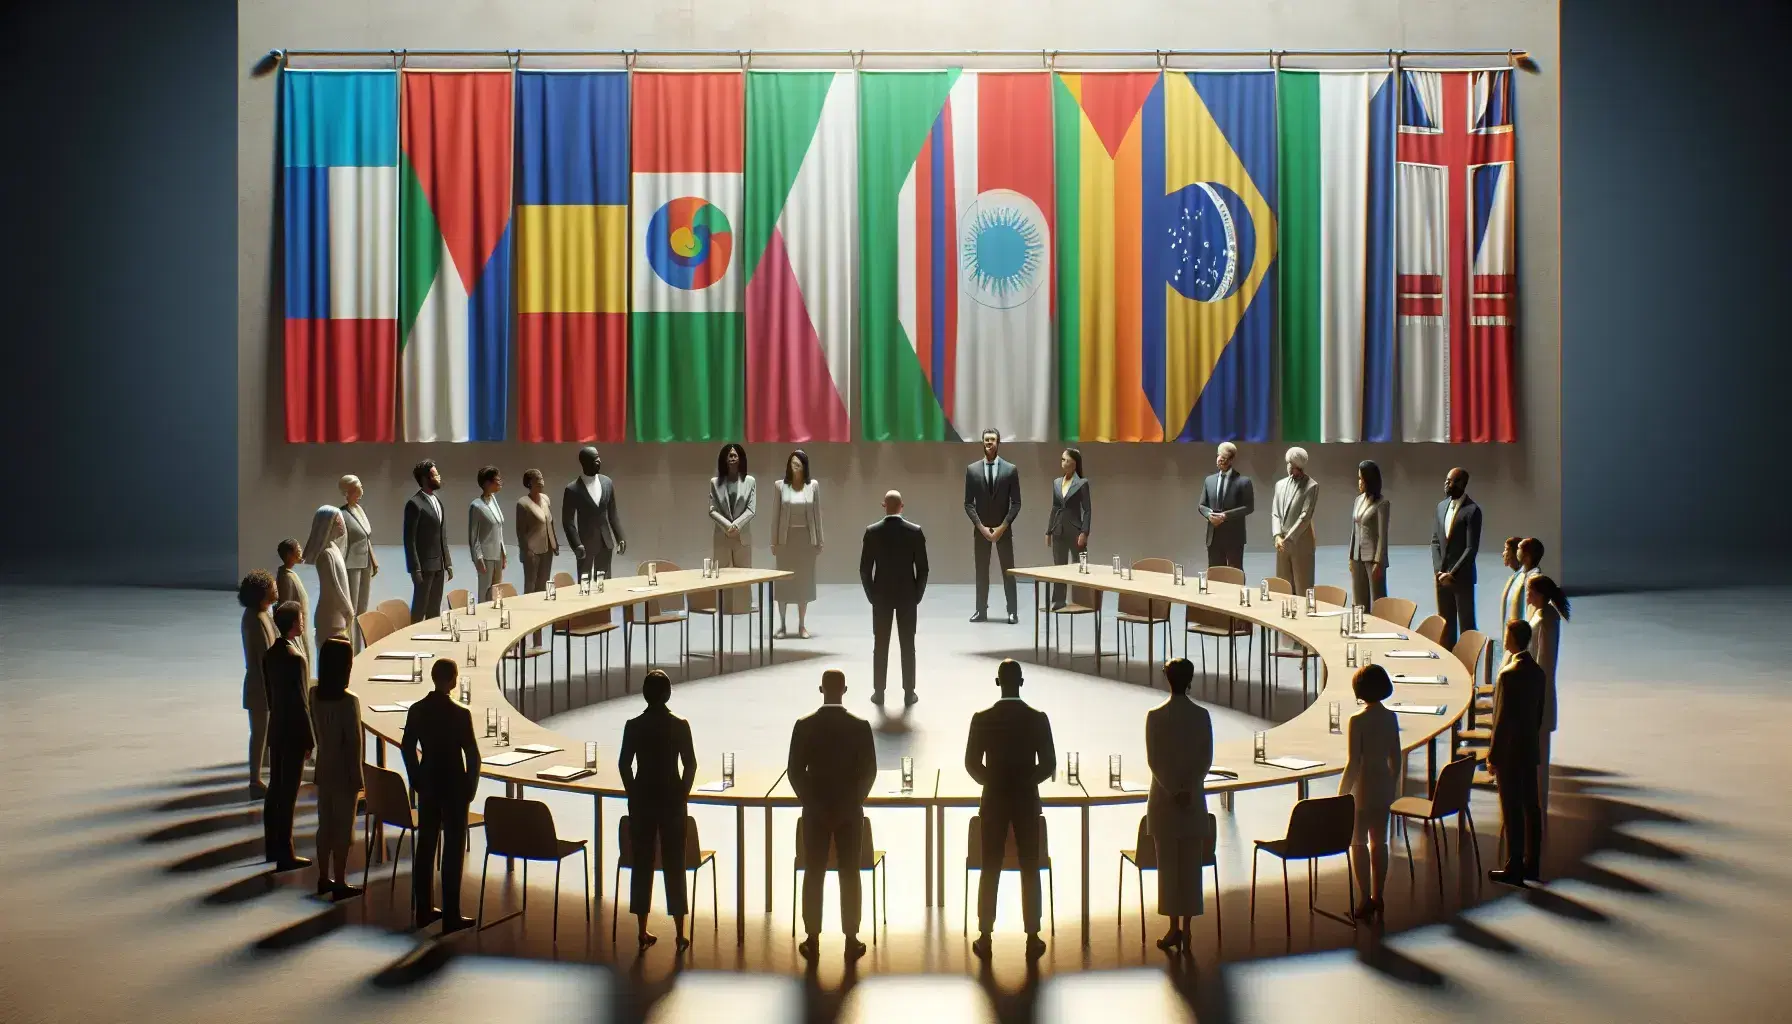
(565,773)
(1427,680)
(392,677)
(404,655)
(1293,764)
(433,637)
(1409,654)
(718,786)
(403,705)
(1417,709)
(510,757)
(1379,636)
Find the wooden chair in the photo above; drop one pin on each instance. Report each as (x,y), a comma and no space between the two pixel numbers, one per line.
(598,624)
(1325,594)
(973,861)
(1317,827)
(720,607)
(502,590)
(1449,797)
(651,614)
(457,599)
(1220,626)
(524,829)
(1078,601)
(1143,858)
(1131,610)
(1470,647)
(396,612)
(1432,628)
(1394,609)
(1281,588)
(694,858)
(374,626)
(870,859)
(388,802)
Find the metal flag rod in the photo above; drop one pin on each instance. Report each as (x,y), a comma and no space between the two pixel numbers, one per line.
(741,55)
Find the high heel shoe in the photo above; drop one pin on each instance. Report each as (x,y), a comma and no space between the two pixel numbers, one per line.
(1369,908)
(1172,942)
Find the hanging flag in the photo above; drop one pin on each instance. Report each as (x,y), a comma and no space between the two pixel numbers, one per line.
(572,255)
(969,255)
(454,253)
(339,156)
(1210,233)
(1457,285)
(1102,181)
(799,229)
(685,364)
(1337,224)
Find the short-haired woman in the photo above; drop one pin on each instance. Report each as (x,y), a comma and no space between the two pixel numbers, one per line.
(1372,776)
(357,547)
(1368,537)
(658,764)
(733,502)
(256,593)
(336,730)
(1179,749)
(797,541)
(485,534)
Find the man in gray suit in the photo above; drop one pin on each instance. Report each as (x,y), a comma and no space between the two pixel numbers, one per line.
(426,555)
(588,512)
(485,534)
(1226,499)
(1291,518)
(1455,541)
(992,502)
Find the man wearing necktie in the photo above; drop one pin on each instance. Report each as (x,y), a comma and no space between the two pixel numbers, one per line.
(1455,541)
(1226,499)
(992,502)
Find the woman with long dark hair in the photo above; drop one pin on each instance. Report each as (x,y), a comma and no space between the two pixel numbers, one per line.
(797,540)
(733,502)
(1067,530)
(1368,537)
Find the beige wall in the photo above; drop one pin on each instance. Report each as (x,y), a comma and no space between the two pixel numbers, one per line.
(1144,493)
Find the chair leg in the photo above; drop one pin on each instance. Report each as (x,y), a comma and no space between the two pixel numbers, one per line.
(1406,839)
(1442,850)
(616,894)
(795,898)
(1253,894)
(1474,838)
(1287,907)
(484,867)
(715,915)
(964,920)
(525,887)
(1120,899)
(1051,888)
(1141,905)
(1219,912)
(367,846)
(554,933)
(586,851)
(398,851)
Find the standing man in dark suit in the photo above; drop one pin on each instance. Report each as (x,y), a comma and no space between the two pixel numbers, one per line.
(833,763)
(284,671)
(1455,540)
(588,511)
(992,501)
(1514,752)
(441,757)
(1226,499)
(1009,753)
(655,744)
(893,571)
(426,555)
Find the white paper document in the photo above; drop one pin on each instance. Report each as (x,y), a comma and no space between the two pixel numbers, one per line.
(403,705)
(539,748)
(403,655)
(718,786)
(1425,680)
(564,773)
(1325,615)
(1409,654)
(1294,764)
(509,757)
(1379,636)
(1128,786)
(392,677)
(433,637)
(1417,709)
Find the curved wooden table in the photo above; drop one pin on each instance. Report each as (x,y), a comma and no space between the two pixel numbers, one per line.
(936,787)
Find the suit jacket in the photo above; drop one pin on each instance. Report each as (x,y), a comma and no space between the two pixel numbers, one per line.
(258,635)
(1291,514)
(992,506)
(833,763)
(1179,749)
(1518,705)
(1512,597)
(1009,753)
(441,757)
(654,743)
(1237,498)
(289,587)
(335,607)
(1456,552)
(1374,763)
(1369,530)
(893,562)
(485,532)
(1546,642)
(535,526)
(737,510)
(812,490)
(357,544)
(425,536)
(285,672)
(591,522)
(1072,510)
(336,726)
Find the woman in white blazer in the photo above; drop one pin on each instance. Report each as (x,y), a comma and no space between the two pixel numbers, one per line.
(335,613)
(1372,771)
(1179,749)
(733,502)
(1369,537)
(797,540)
(1547,605)
(357,547)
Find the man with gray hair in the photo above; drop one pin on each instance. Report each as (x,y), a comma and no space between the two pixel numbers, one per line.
(1226,499)
(1291,518)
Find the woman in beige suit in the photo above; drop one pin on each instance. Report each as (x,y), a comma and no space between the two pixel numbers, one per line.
(357,547)
(336,729)
(1179,749)
(256,594)
(1372,776)
(797,540)
(535,535)
(335,608)
(1369,537)
(733,502)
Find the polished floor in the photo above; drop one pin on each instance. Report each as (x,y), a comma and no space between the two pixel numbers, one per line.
(131,891)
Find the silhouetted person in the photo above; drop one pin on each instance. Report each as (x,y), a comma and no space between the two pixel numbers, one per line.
(833,764)
(336,730)
(426,555)
(1513,754)
(256,593)
(442,759)
(1179,749)
(1455,541)
(658,766)
(1009,753)
(284,672)
(893,571)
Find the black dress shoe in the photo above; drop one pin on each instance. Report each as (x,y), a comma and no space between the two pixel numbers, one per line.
(346,892)
(456,923)
(1508,877)
(292,864)
(980,947)
(1035,947)
(257,791)
(854,949)
(1013,618)
(979,617)
(908,697)
(809,947)
(877,697)
(425,918)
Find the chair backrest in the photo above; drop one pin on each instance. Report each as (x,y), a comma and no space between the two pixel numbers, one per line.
(1432,628)
(457,599)
(1394,609)
(657,606)
(505,590)
(396,612)
(1324,594)
(594,619)
(520,828)
(1278,585)
(867,855)
(1453,786)
(563,579)
(1469,647)
(388,799)
(693,844)
(973,854)
(1225,574)
(1145,851)
(1320,827)
(1144,607)
(374,625)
